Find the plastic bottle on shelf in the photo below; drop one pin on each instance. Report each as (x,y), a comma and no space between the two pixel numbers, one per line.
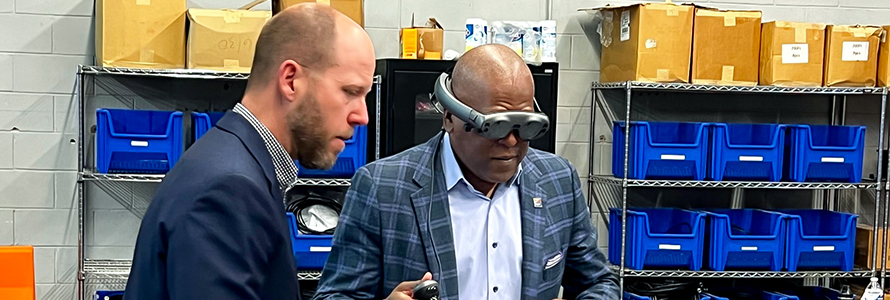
(873,291)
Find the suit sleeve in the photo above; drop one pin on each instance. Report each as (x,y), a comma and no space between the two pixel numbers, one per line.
(354,268)
(220,248)
(587,274)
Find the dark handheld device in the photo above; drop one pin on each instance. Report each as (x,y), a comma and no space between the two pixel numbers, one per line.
(427,290)
(527,125)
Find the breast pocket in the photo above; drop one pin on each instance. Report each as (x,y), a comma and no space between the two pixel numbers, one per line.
(554,267)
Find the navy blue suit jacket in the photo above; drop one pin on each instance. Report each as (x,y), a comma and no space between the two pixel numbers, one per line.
(216,228)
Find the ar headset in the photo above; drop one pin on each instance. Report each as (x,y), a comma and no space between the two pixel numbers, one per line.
(528,125)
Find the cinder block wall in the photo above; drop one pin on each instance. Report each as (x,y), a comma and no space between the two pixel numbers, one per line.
(44,40)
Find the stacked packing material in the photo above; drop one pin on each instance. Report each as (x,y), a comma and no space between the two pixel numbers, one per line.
(534,41)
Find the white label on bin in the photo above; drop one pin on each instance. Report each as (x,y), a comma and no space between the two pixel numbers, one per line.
(823,248)
(749,248)
(855,51)
(795,53)
(319,249)
(750,158)
(673,157)
(668,247)
(833,159)
(139,143)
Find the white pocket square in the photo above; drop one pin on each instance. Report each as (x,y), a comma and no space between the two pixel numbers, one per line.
(553,261)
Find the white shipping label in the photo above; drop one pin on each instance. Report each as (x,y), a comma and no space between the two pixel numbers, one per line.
(625,25)
(750,158)
(833,159)
(795,53)
(668,247)
(139,143)
(673,157)
(319,249)
(749,248)
(855,51)
(823,248)
(650,43)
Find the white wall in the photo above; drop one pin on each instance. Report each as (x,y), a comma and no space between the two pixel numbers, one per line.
(44,40)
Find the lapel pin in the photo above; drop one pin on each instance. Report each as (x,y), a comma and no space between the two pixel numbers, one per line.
(538,202)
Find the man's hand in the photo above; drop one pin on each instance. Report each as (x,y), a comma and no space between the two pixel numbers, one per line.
(405,290)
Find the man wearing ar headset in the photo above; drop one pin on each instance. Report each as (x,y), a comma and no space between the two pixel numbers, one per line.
(485,215)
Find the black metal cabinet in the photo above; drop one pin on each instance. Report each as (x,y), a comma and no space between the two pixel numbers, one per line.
(407,118)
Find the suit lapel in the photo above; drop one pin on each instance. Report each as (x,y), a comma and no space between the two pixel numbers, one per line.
(534,221)
(433,217)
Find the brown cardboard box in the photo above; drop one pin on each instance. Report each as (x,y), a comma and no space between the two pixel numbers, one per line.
(646,42)
(851,55)
(422,42)
(864,250)
(224,39)
(726,47)
(791,53)
(351,8)
(140,33)
(884,59)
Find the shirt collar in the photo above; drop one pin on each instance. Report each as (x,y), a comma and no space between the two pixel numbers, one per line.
(453,173)
(285,168)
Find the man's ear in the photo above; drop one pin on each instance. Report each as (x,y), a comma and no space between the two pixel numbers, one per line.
(447,122)
(291,80)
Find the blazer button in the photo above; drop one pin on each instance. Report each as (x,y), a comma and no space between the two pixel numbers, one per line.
(495,289)
(494,245)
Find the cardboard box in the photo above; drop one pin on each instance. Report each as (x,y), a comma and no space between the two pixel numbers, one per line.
(864,249)
(884,59)
(422,42)
(141,33)
(224,39)
(851,55)
(726,47)
(354,9)
(791,53)
(646,42)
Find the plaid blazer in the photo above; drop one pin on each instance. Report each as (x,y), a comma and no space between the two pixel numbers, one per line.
(396,225)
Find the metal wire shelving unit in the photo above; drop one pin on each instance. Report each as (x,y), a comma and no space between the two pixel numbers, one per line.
(99,274)
(607,191)
(743,274)
(87,175)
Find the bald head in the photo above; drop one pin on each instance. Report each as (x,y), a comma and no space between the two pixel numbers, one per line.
(485,70)
(306,33)
(312,68)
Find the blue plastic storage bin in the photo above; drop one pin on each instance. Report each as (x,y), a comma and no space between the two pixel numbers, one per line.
(202,122)
(745,239)
(735,292)
(820,239)
(311,251)
(658,238)
(661,150)
(813,293)
(137,141)
(826,153)
(632,296)
(108,295)
(704,296)
(353,156)
(747,152)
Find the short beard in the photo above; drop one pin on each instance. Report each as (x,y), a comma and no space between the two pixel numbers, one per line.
(307,129)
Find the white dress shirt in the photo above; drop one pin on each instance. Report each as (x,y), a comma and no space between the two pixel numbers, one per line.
(487,234)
